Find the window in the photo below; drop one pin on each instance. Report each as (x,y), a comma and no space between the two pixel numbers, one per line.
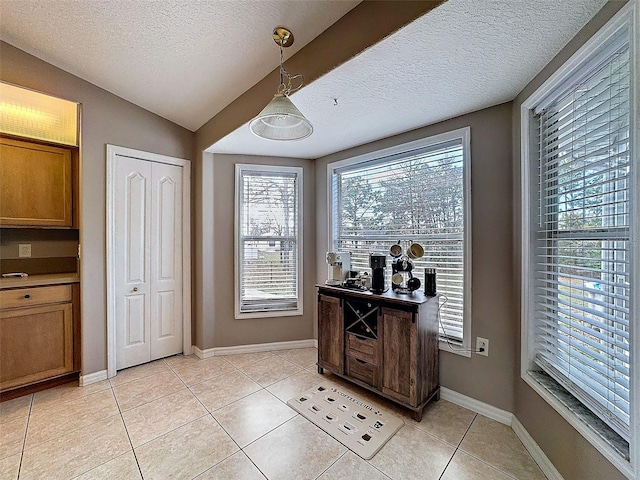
(578,181)
(414,192)
(268,248)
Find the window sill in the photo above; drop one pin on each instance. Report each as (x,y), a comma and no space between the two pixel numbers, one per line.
(611,445)
(269,314)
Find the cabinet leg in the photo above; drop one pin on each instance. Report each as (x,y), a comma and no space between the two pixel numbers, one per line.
(320,370)
(437,397)
(417,415)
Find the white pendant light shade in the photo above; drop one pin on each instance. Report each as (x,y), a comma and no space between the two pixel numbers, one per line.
(281,120)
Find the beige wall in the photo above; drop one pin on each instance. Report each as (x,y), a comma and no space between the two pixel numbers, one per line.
(489,379)
(44,243)
(219,328)
(571,454)
(106,119)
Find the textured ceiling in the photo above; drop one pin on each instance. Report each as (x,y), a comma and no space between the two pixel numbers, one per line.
(184,60)
(463,56)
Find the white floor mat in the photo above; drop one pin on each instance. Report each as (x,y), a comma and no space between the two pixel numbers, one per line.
(360,427)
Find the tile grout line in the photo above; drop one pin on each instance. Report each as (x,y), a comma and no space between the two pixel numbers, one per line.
(474,456)
(126,430)
(24,440)
(332,463)
(458,446)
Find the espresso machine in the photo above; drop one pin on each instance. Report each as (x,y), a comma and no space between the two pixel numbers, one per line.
(339,267)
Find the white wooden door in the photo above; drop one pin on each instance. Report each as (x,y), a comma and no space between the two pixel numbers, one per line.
(166,261)
(148,260)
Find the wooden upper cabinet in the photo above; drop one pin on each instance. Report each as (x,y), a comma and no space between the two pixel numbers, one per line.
(36,185)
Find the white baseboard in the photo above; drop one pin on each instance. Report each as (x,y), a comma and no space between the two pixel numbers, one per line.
(477,406)
(535,451)
(507,418)
(254,348)
(92,378)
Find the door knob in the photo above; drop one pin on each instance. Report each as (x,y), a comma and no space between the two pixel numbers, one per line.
(135,289)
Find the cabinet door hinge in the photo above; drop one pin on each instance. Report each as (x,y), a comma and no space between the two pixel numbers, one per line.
(79,252)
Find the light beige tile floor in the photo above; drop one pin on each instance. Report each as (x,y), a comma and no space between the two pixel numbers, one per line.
(227,418)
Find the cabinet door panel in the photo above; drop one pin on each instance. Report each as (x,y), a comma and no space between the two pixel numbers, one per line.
(330,334)
(35,184)
(399,355)
(35,344)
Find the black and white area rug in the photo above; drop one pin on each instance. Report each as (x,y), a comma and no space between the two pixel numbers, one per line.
(360,427)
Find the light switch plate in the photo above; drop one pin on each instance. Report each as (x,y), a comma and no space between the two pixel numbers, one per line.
(24,250)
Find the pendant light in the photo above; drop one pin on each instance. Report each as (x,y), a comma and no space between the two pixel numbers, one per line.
(280,119)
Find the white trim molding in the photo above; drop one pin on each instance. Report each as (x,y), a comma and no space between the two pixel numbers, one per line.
(92,378)
(550,471)
(254,348)
(508,419)
(112,152)
(240,168)
(477,406)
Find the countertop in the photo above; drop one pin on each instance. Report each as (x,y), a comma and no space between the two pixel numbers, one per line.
(39,280)
(416,298)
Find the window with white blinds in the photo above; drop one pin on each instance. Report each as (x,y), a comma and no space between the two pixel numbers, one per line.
(268,247)
(417,193)
(582,250)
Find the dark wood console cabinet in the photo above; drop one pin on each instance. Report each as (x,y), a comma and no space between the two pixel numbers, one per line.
(385,343)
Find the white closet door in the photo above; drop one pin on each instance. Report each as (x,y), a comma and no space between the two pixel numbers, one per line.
(148,253)
(132,224)
(166,265)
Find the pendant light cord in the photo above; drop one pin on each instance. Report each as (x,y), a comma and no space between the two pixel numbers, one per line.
(287,88)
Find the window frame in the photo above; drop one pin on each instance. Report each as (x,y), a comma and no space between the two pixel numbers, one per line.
(627,15)
(271,169)
(464,136)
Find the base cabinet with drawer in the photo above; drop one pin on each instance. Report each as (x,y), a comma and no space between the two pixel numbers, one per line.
(38,334)
(385,343)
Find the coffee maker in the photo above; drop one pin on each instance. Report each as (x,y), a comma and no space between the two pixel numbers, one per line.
(377,262)
(339,266)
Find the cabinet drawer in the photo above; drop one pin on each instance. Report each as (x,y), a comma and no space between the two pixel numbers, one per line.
(26,297)
(363,371)
(363,348)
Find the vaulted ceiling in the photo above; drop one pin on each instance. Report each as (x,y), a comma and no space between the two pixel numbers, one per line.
(187,60)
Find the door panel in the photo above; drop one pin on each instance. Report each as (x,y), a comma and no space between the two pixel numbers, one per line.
(134,320)
(132,222)
(166,315)
(330,334)
(166,269)
(399,355)
(135,215)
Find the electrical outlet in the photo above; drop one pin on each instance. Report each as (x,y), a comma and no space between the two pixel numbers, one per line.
(24,250)
(482,346)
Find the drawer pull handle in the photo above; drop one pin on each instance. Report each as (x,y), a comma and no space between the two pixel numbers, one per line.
(27,296)
(135,289)
(360,361)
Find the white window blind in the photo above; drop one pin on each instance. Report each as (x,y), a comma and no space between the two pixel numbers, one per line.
(268,238)
(417,196)
(582,257)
